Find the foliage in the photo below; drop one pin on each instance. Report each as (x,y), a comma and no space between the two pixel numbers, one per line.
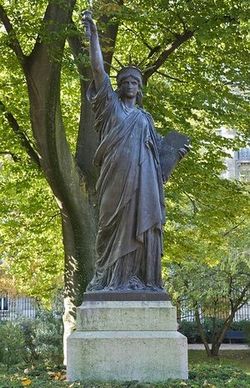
(30,340)
(7,285)
(28,328)
(48,334)
(203,375)
(12,346)
(30,247)
(219,376)
(214,292)
(243,326)
(190,329)
(232,357)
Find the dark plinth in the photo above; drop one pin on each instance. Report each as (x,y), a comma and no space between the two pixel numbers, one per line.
(125,296)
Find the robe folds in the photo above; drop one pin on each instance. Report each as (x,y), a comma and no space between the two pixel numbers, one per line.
(130,196)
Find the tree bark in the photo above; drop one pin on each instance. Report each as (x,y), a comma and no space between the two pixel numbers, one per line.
(79,256)
(201,331)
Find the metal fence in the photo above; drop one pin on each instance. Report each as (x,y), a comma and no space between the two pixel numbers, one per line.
(184,313)
(12,308)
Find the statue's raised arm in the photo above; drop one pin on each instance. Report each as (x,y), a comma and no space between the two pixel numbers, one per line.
(95,52)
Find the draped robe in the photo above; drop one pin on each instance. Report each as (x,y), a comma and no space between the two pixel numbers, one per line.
(130,196)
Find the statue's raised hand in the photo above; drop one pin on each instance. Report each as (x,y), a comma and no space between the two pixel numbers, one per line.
(88,23)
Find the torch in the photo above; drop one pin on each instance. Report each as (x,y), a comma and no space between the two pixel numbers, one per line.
(85,15)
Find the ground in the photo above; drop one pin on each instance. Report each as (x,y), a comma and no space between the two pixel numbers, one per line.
(230,369)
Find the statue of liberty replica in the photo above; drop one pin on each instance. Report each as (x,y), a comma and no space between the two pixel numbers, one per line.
(134,162)
(126,326)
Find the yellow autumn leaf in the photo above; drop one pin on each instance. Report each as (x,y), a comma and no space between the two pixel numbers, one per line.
(58,376)
(208,385)
(26,382)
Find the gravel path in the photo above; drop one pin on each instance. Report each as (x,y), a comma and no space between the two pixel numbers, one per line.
(223,347)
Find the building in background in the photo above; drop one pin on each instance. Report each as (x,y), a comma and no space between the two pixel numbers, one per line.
(238,165)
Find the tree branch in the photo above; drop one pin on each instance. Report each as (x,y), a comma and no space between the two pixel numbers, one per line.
(25,142)
(78,49)
(108,38)
(195,207)
(243,295)
(152,50)
(181,20)
(165,28)
(170,77)
(233,228)
(180,39)
(14,42)
(87,139)
(45,223)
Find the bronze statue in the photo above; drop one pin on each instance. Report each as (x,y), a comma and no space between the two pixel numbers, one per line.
(134,162)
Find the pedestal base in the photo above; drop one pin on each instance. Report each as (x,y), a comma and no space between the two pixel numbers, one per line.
(126,341)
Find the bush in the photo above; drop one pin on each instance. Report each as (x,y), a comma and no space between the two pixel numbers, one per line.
(239,325)
(32,339)
(246,329)
(190,330)
(48,337)
(43,337)
(211,327)
(12,344)
(28,330)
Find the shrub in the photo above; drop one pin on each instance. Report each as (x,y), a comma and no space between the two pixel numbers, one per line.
(43,337)
(27,327)
(190,330)
(48,333)
(246,329)
(32,339)
(12,344)
(211,327)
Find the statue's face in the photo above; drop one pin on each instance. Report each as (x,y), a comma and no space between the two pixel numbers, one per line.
(129,87)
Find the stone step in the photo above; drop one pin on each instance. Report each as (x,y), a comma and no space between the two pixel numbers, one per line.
(126,315)
(145,356)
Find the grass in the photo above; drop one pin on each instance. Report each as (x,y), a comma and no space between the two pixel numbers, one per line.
(237,358)
(230,369)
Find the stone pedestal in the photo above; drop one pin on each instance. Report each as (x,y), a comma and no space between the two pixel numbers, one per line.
(126,341)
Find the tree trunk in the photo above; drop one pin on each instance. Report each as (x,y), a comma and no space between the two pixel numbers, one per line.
(79,257)
(201,331)
(42,70)
(220,336)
